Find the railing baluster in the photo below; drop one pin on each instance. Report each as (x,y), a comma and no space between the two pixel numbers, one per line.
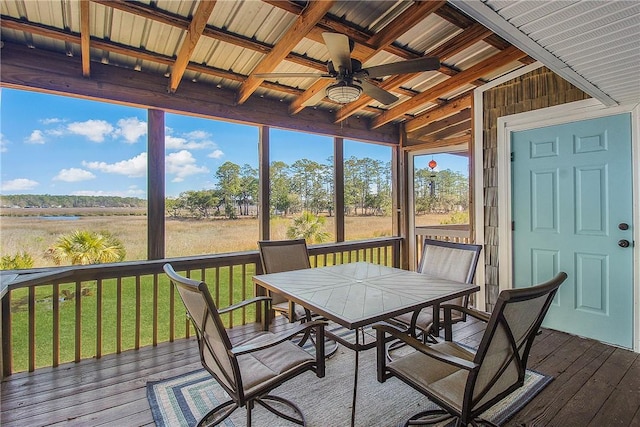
(78,321)
(244,292)
(172,313)
(119,315)
(7,344)
(155,310)
(217,286)
(137,332)
(231,294)
(56,323)
(98,318)
(32,328)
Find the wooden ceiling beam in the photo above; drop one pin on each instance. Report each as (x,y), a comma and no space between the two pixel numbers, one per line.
(401,24)
(58,34)
(194,32)
(157,15)
(458,103)
(467,38)
(39,70)
(464,126)
(85,38)
(314,11)
(416,144)
(442,124)
(494,62)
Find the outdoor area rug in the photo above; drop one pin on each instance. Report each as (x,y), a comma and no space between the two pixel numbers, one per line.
(325,402)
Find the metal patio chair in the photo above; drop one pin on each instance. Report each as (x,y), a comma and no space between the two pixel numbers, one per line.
(277,256)
(250,369)
(446,260)
(465,384)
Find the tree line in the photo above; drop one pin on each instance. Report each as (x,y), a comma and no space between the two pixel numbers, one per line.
(307,186)
(51,201)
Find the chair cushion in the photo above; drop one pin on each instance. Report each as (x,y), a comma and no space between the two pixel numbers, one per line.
(265,366)
(435,377)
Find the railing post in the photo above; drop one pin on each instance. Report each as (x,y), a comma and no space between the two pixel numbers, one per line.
(5,331)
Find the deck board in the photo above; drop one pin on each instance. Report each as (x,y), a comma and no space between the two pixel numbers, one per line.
(594,384)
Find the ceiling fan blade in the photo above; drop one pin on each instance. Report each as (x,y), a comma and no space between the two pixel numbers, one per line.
(339,51)
(284,75)
(404,67)
(378,94)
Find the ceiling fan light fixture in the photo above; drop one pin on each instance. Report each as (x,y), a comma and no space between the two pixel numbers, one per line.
(343,92)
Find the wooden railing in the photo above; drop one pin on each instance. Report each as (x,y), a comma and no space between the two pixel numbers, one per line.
(451,233)
(56,315)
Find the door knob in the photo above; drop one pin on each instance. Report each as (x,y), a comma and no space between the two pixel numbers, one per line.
(623,226)
(623,243)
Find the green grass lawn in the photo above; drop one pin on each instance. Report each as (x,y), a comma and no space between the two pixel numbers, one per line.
(89,302)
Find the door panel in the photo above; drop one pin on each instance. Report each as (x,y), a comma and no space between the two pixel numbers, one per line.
(571,187)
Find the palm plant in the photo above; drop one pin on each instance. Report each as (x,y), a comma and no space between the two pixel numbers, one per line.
(20,260)
(309,227)
(86,247)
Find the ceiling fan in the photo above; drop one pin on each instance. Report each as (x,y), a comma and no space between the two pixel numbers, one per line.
(351,78)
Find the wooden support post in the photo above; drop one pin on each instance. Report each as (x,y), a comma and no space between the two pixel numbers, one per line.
(338,187)
(155,185)
(400,197)
(265,183)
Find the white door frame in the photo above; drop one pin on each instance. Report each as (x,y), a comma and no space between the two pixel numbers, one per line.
(580,110)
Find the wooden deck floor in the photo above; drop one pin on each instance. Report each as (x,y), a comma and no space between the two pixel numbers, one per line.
(594,385)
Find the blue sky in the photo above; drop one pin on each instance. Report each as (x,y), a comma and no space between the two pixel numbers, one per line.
(61,145)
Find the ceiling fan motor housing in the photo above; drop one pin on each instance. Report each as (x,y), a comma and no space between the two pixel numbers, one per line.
(356,66)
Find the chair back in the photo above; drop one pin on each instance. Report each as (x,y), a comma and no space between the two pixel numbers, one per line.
(449,260)
(213,341)
(283,255)
(452,261)
(504,349)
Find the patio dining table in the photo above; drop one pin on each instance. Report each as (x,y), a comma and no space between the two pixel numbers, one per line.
(355,295)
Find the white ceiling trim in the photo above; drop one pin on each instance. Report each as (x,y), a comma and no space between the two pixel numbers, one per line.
(492,20)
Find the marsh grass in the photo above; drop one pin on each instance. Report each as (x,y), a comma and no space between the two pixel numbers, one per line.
(34,235)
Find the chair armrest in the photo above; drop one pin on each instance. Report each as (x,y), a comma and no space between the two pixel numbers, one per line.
(423,348)
(244,304)
(480,315)
(281,337)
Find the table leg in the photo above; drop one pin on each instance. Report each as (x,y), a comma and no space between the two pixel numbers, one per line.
(355,384)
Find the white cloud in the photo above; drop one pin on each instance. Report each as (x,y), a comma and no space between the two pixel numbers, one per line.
(131,129)
(93,130)
(51,121)
(18,184)
(55,132)
(216,154)
(174,142)
(198,134)
(183,164)
(36,137)
(194,140)
(73,175)
(133,168)
(179,143)
(3,143)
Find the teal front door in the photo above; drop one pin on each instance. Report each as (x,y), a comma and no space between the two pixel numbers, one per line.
(572,212)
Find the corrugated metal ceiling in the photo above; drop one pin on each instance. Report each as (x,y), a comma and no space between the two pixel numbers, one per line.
(598,41)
